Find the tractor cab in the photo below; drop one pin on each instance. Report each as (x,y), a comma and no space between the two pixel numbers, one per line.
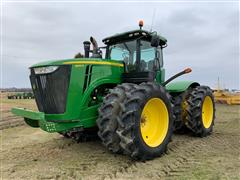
(141,52)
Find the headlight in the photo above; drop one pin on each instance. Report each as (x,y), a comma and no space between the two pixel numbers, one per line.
(45,70)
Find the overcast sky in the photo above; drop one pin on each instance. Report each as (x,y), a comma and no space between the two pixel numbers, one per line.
(203,36)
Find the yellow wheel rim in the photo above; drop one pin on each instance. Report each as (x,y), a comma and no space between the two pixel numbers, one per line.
(207,112)
(154,122)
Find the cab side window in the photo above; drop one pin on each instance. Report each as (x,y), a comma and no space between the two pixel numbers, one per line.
(147,59)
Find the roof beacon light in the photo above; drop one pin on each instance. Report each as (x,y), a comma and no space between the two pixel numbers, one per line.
(140,24)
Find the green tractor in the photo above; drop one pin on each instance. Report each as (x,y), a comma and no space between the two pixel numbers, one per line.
(123,97)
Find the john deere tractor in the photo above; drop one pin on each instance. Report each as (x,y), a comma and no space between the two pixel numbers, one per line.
(122,96)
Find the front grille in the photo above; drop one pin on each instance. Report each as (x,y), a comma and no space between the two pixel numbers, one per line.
(50,90)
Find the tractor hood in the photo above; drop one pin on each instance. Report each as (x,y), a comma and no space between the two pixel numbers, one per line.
(64,89)
(79,61)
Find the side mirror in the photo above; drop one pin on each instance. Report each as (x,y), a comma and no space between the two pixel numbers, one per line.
(155,41)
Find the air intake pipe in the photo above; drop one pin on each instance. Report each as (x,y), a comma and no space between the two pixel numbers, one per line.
(95,45)
(96,52)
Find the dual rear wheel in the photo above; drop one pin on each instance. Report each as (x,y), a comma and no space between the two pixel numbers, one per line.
(141,125)
(138,120)
(200,111)
(194,110)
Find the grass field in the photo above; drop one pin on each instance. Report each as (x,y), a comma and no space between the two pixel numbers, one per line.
(29,153)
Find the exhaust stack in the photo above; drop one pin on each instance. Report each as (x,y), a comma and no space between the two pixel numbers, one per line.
(86,45)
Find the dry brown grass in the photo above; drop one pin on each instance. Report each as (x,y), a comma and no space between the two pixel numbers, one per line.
(7,118)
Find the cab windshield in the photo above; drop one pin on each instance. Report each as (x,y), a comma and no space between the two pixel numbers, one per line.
(126,51)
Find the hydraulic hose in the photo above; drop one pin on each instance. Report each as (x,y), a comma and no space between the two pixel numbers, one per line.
(185,71)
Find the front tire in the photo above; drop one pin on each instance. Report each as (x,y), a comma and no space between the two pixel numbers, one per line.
(109,113)
(146,126)
(201,111)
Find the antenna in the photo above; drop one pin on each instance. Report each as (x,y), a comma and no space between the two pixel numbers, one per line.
(153,18)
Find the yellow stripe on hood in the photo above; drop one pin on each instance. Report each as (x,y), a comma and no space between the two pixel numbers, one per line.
(95,62)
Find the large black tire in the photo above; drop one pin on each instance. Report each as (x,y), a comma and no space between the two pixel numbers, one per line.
(109,113)
(195,111)
(129,129)
(179,102)
(179,124)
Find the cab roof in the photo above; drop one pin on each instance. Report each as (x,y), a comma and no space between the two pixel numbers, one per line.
(131,35)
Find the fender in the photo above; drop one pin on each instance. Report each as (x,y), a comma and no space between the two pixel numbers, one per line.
(104,81)
(180,86)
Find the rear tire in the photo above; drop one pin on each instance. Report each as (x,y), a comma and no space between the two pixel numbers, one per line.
(146,126)
(179,126)
(179,102)
(109,113)
(201,111)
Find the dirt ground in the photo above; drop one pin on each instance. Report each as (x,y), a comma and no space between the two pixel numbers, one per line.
(28,153)
(7,119)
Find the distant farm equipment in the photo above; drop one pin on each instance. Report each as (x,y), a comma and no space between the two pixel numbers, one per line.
(21,95)
(224,96)
(227,97)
